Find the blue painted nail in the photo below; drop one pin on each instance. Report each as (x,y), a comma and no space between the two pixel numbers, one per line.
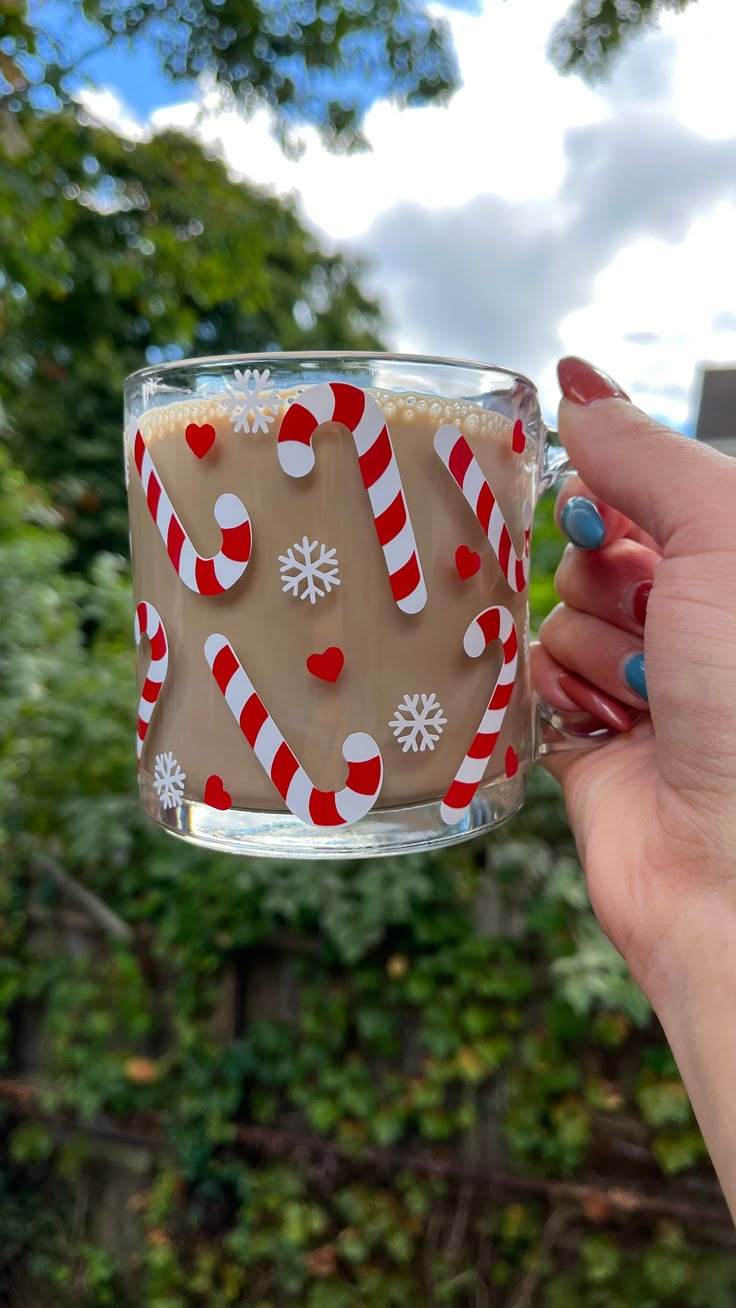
(582,523)
(634,675)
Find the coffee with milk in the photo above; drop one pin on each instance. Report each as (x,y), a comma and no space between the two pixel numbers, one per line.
(313,619)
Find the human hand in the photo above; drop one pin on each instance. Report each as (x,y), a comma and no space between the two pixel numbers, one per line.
(654,811)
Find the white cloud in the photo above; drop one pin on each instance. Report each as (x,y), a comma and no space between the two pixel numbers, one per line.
(702,84)
(107,109)
(523,282)
(676,289)
(500,133)
(534,214)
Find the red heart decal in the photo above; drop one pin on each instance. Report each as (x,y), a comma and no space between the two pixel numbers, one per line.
(467,562)
(511,761)
(200,439)
(518,440)
(216,795)
(326,666)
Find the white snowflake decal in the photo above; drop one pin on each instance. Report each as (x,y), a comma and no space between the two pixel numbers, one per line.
(418,727)
(249,400)
(168,780)
(311,575)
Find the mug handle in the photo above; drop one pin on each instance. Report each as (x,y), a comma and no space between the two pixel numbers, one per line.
(554,729)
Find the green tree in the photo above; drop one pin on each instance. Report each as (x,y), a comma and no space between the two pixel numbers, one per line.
(67,702)
(112,254)
(310,61)
(592,32)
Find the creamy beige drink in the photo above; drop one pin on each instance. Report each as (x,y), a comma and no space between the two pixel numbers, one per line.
(317,581)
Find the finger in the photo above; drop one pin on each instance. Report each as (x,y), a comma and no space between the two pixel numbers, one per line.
(678,490)
(572,767)
(615,525)
(598,651)
(612,584)
(561,689)
(643,538)
(586,519)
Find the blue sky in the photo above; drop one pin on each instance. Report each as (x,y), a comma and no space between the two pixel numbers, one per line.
(133,73)
(132,70)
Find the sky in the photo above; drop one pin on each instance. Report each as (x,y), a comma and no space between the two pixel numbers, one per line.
(534,216)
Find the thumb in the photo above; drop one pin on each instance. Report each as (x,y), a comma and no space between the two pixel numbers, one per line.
(678,490)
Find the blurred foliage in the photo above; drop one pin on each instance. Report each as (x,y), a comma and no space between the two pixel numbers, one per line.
(305,61)
(461,1006)
(593,32)
(112,254)
(308,1138)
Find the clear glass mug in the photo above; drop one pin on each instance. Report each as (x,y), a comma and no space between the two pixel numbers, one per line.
(330,561)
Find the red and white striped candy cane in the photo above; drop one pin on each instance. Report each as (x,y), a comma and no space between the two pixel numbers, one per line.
(148,623)
(492,624)
(462,464)
(348,404)
(203,576)
(318,808)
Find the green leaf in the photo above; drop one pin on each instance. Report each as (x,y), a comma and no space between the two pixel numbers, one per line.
(677,1151)
(323,1115)
(30,1144)
(602,1258)
(665,1103)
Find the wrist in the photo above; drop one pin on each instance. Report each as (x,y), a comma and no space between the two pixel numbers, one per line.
(691,985)
(693,962)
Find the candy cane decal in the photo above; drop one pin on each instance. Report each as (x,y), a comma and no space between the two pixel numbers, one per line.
(203,576)
(318,808)
(148,623)
(492,624)
(348,404)
(463,466)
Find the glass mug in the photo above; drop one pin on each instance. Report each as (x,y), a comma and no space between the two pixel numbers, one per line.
(330,561)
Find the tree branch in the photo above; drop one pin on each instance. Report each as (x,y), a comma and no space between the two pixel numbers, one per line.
(78,60)
(93,906)
(524,1296)
(270,1142)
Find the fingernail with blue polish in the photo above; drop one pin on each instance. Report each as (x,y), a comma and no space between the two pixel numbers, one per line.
(582,523)
(634,675)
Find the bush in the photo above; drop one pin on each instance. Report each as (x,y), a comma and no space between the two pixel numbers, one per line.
(418,1081)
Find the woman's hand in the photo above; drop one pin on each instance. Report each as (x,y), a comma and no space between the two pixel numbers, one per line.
(648,621)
